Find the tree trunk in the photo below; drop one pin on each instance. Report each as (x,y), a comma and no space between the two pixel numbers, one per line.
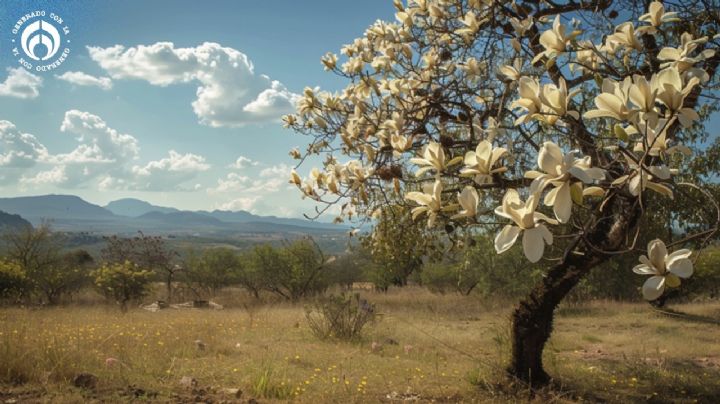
(532,321)
(168,286)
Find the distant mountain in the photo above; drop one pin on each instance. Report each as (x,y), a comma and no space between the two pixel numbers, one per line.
(185,218)
(72,214)
(242,216)
(132,207)
(36,208)
(10,222)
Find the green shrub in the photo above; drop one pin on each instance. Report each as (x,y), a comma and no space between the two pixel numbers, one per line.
(122,282)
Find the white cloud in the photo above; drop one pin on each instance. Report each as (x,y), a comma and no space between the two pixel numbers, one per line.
(168,173)
(243,203)
(84,79)
(18,152)
(280,170)
(55,175)
(20,83)
(103,158)
(243,162)
(233,182)
(99,142)
(230,93)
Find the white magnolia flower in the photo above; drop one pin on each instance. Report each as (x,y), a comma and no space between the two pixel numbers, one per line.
(672,93)
(527,221)
(642,94)
(644,178)
(655,139)
(554,40)
(429,201)
(529,91)
(521,26)
(329,61)
(624,36)
(681,58)
(493,130)
(468,200)
(480,163)
(665,269)
(656,16)
(471,25)
(560,170)
(512,73)
(295,178)
(613,101)
(433,158)
(556,100)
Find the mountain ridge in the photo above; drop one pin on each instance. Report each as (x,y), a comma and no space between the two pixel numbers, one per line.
(72,213)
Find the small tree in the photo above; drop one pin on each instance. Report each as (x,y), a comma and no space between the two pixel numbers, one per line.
(211,270)
(297,270)
(150,252)
(49,272)
(477,113)
(13,281)
(122,282)
(397,246)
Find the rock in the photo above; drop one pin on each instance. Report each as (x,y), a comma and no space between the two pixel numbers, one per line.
(235,393)
(188,382)
(85,380)
(391,341)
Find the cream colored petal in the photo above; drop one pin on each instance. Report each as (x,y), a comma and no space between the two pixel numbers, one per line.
(547,235)
(657,253)
(550,157)
(551,196)
(684,253)
(681,267)
(643,269)
(653,287)
(506,238)
(533,244)
(563,204)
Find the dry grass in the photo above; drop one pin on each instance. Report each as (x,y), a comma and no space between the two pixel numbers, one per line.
(449,349)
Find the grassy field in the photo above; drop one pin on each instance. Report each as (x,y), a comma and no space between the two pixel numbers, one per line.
(433,348)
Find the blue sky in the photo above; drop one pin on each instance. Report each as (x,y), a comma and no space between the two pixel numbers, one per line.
(103,124)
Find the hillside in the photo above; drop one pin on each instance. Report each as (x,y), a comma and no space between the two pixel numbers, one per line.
(10,222)
(132,207)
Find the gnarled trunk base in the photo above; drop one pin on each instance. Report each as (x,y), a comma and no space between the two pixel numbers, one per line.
(532,321)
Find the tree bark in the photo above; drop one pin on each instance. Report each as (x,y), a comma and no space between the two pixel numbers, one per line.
(532,320)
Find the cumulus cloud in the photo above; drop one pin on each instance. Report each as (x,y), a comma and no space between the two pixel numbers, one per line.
(20,83)
(229,91)
(243,162)
(84,79)
(18,152)
(98,141)
(167,173)
(281,171)
(103,157)
(233,182)
(243,203)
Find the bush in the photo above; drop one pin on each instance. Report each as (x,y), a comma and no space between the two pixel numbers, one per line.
(341,317)
(122,282)
(13,281)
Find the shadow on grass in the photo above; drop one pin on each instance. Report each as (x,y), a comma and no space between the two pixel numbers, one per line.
(679,315)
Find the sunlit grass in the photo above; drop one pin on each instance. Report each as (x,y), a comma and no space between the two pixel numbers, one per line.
(429,347)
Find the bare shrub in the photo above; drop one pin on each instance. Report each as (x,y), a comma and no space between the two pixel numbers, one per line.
(341,317)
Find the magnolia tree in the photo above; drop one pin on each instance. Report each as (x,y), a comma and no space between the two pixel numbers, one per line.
(561,126)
